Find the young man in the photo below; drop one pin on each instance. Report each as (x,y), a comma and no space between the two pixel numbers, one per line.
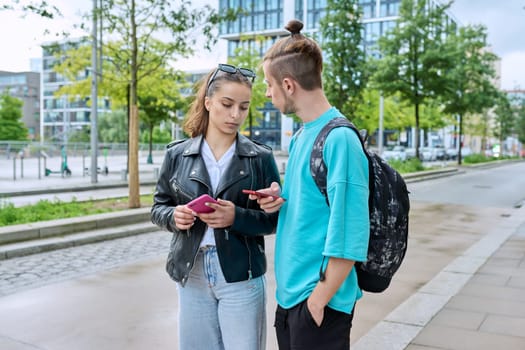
(316,244)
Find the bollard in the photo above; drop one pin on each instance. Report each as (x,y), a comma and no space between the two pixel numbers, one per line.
(14,168)
(124,175)
(21,164)
(39,166)
(283,167)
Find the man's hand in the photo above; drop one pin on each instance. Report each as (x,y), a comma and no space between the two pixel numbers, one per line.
(317,311)
(269,204)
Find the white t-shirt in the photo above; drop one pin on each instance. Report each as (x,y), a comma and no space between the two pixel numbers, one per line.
(215,170)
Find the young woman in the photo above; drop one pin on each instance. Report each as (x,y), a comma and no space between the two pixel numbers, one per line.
(218,258)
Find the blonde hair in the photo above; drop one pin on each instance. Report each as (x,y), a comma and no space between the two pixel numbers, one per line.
(296,57)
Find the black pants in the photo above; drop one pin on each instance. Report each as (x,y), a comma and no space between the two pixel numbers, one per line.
(297,330)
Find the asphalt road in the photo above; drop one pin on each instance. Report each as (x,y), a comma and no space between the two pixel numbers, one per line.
(501,186)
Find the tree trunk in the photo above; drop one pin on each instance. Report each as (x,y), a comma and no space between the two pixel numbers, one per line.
(416,106)
(134,190)
(460,138)
(134,184)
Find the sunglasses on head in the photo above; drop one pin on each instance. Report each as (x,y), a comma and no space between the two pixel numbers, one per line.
(228,68)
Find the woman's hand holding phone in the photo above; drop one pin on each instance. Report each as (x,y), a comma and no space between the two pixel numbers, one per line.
(215,213)
(183,217)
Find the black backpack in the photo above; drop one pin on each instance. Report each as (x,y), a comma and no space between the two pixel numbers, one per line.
(388,204)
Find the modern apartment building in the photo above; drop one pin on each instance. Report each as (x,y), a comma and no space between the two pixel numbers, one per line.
(26,87)
(63,115)
(268,18)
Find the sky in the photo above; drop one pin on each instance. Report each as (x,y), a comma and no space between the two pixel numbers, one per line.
(21,37)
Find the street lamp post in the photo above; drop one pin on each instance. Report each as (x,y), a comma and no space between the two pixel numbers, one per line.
(94,98)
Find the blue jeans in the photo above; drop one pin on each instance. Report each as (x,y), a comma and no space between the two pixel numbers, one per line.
(216,315)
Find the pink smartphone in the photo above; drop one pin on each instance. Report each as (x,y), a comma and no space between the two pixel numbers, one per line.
(198,206)
(261,194)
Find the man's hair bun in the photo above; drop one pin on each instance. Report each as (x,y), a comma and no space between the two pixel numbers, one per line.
(294,26)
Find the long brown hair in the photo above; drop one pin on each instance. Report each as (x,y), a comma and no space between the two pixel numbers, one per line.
(297,57)
(196,121)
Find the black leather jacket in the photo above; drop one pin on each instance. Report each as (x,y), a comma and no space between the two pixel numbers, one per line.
(183,177)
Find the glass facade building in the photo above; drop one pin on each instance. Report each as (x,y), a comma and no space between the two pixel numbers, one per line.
(268,18)
(62,115)
(26,87)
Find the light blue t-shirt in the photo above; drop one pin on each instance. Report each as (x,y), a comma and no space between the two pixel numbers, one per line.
(308,229)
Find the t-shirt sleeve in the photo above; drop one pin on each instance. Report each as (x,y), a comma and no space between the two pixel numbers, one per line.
(347,189)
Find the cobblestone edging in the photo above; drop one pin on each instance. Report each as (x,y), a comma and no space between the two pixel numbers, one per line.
(18,274)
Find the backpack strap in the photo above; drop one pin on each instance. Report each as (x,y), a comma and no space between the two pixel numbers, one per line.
(317,165)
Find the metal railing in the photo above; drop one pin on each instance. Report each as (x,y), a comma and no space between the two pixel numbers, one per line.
(30,149)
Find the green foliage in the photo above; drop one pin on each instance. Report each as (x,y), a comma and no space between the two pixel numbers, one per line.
(152,112)
(520,121)
(113,127)
(505,121)
(45,210)
(80,135)
(414,56)
(469,80)
(475,159)
(137,53)
(409,166)
(396,115)
(346,74)
(160,135)
(11,125)
(41,8)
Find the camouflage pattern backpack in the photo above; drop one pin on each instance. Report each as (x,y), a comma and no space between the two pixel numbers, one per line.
(388,206)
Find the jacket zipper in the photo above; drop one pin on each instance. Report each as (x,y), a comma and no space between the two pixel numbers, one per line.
(250,276)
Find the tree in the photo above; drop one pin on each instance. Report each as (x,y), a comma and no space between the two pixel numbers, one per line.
(413,56)
(139,25)
(161,134)
(247,55)
(152,113)
(520,121)
(395,115)
(470,87)
(113,127)
(346,75)
(40,8)
(505,121)
(11,126)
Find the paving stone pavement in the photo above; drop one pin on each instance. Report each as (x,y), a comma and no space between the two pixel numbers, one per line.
(481,302)
(37,270)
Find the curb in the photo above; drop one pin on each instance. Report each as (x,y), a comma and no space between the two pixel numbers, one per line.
(399,328)
(25,239)
(76,188)
(431,174)
(72,240)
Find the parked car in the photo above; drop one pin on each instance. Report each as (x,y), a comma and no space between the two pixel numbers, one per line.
(395,153)
(452,153)
(440,152)
(427,154)
(410,152)
(466,151)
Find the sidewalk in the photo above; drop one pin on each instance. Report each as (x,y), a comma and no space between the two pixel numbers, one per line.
(476,302)
(15,177)
(461,287)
